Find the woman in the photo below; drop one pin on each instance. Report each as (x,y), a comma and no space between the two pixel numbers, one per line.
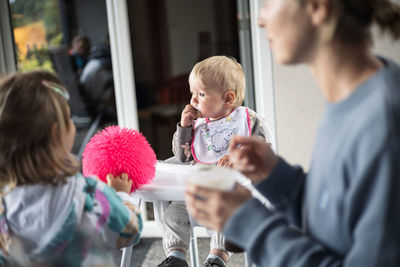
(344,211)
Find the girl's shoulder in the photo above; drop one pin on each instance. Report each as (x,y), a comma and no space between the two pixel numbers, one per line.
(89,181)
(88,186)
(90,190)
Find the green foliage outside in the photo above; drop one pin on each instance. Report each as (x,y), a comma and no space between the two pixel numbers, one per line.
(29,11)
(56,40)
(35,59)
(33,64)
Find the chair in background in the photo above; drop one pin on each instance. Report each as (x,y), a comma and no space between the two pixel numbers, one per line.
(65,70)
(96,78)
(83,113)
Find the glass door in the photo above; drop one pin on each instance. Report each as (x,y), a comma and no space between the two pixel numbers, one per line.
(70,39)
(168,39)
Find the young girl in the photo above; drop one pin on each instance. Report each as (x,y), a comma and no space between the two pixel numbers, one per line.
(344,212)
(50,213)
(207,125)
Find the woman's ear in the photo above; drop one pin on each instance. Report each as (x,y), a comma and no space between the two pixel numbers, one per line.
(319,11)
(229,98)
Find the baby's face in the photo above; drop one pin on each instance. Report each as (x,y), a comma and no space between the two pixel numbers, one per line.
(208,101)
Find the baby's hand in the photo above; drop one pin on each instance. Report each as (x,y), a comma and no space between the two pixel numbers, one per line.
(120,184)
(224,162)
(189,114)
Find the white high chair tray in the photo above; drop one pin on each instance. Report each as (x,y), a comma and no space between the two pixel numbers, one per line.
(168,184)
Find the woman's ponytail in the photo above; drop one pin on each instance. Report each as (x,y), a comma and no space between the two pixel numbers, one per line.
(387,15)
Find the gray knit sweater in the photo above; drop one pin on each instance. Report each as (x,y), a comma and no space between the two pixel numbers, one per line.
(345,211)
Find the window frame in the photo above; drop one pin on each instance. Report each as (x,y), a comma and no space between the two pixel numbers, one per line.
(8,59)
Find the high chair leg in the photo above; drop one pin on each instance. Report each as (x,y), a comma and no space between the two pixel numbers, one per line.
(126,256)
(194,253)
(247,261)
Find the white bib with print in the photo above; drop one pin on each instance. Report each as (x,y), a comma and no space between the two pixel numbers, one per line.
(211,138)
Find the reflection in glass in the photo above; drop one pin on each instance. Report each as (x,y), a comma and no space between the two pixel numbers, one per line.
(70,38)
(36,27)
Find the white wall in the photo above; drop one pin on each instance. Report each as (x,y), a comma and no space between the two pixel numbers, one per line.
(299,104)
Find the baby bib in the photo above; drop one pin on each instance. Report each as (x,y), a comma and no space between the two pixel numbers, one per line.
(211,138)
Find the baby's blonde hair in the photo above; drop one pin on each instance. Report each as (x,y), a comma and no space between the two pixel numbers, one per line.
(220,72)
(29,111)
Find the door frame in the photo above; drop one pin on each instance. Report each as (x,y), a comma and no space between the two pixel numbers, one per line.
(263,71)
(122,62)
(8,59)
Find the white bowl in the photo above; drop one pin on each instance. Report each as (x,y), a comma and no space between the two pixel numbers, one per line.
(213,177)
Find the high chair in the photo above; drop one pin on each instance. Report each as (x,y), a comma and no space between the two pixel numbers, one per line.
(168,185)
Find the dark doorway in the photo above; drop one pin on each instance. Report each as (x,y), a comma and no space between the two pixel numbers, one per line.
(168,38)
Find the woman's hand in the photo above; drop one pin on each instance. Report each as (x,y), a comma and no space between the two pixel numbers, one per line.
(213,208)
(120,184)
(189,114)
(224,162)
(252,156)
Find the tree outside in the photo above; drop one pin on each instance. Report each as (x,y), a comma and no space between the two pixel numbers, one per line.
(37,27)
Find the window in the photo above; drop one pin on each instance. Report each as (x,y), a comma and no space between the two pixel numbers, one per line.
(69,38)
(37,26)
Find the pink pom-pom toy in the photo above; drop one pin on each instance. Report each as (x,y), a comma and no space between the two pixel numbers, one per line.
(117,150)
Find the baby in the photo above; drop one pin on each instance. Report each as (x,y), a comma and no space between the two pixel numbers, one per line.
(207,125)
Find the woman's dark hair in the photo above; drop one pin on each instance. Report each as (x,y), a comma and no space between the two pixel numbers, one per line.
(355,18)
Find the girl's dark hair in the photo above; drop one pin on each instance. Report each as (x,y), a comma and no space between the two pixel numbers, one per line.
(32,118)
(354,18)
